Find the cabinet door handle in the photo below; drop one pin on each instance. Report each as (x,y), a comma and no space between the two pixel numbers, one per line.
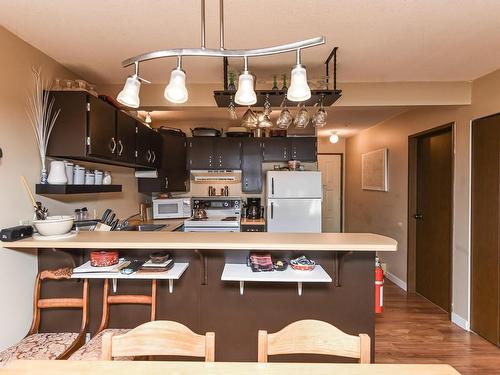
(166,182)
(113,145)
(149,156)
(120,150)
(154,157)
(272,210)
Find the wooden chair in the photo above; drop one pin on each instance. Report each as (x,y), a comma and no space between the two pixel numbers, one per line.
(93,349)
(50,345)
(161,337)
(313,337)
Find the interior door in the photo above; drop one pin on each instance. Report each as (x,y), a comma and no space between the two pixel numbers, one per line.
(294,215)
(330,167)
(485,233)
(433,217)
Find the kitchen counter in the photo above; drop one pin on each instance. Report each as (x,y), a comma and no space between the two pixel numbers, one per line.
(216,241)
(217,292)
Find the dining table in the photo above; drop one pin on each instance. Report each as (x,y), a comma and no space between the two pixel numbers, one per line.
(209,368)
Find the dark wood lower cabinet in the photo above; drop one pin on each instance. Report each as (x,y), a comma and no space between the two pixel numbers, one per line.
(485,233)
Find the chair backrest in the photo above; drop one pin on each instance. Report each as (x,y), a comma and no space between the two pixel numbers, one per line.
(54,303)
(160,337)
(313,337)
(120,299)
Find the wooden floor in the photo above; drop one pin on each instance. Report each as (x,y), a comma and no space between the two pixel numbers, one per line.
(413,330)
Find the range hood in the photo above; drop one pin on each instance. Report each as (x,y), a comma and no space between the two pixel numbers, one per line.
(216,176)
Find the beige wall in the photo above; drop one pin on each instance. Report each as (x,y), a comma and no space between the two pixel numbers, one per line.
(18,268)
(386,213)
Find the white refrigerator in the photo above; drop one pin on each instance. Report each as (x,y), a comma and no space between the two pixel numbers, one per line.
(293,201)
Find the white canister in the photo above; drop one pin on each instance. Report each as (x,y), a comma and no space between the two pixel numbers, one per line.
(89,178)
(78,175)
(107,178)
(57,175)
(98,177)
(69,171)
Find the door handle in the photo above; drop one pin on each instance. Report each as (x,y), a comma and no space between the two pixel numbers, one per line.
(149,156)
(120,150)
(272,186)
(113,145)
(154,157)
(418,216)
(272,210)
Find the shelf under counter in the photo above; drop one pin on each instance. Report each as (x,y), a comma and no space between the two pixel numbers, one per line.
(172,274)
(242,273)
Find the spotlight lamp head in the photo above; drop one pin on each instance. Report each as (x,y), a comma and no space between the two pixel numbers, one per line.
(129,96)
(176,91)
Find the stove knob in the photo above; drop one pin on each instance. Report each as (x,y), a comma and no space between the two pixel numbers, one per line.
(226,204)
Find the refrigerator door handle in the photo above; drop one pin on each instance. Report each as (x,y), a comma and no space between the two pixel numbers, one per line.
(272,185)
(272,210)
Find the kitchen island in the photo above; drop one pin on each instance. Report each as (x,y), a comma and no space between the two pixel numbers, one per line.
(343,294)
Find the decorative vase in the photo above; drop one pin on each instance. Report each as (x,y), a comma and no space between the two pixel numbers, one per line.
(43,177)
(57,174)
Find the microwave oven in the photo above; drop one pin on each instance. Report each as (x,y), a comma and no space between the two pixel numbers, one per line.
(171,208)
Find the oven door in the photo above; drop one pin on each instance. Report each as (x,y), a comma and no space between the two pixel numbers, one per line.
(168,209)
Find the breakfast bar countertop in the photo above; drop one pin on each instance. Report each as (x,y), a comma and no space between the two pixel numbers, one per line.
(216,241)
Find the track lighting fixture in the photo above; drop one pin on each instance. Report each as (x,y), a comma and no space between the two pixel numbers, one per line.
(129,96)
(299,90)
(245,95)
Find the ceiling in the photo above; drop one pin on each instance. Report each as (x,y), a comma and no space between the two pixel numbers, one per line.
(380,41)
(347,121)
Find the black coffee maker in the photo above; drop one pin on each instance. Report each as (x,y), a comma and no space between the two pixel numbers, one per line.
(254,210)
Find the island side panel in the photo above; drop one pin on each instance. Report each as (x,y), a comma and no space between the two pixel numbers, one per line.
(219,307)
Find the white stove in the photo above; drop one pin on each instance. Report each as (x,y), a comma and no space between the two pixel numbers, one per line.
(223,215)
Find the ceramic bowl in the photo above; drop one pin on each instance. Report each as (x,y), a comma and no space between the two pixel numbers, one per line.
(54,225)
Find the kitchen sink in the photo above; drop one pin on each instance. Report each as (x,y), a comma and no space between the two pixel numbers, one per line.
(144,227)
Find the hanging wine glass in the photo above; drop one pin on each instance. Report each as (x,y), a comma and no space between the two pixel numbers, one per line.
(232,109)
(264,121)
(319,118)
(249,119)
(302,118)
(285,118)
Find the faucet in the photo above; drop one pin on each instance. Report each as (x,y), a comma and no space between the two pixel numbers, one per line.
(124,223)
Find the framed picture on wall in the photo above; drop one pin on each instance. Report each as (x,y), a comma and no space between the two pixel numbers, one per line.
(374,170)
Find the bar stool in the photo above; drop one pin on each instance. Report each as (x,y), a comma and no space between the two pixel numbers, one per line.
(93,349)
(43,346)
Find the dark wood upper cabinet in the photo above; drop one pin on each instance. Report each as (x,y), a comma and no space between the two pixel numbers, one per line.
(102,141)
(90,129)
(201,153)
(303,148)
(276,149)
(251,165)
(125,137)
(149,146)
(227,153)
(173,175)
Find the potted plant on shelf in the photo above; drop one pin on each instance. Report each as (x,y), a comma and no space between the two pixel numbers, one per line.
(41,114)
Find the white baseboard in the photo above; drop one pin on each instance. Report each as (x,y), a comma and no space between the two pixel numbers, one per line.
(396,280)
(459,321)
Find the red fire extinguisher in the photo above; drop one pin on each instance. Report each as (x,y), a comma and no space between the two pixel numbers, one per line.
(379,287)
